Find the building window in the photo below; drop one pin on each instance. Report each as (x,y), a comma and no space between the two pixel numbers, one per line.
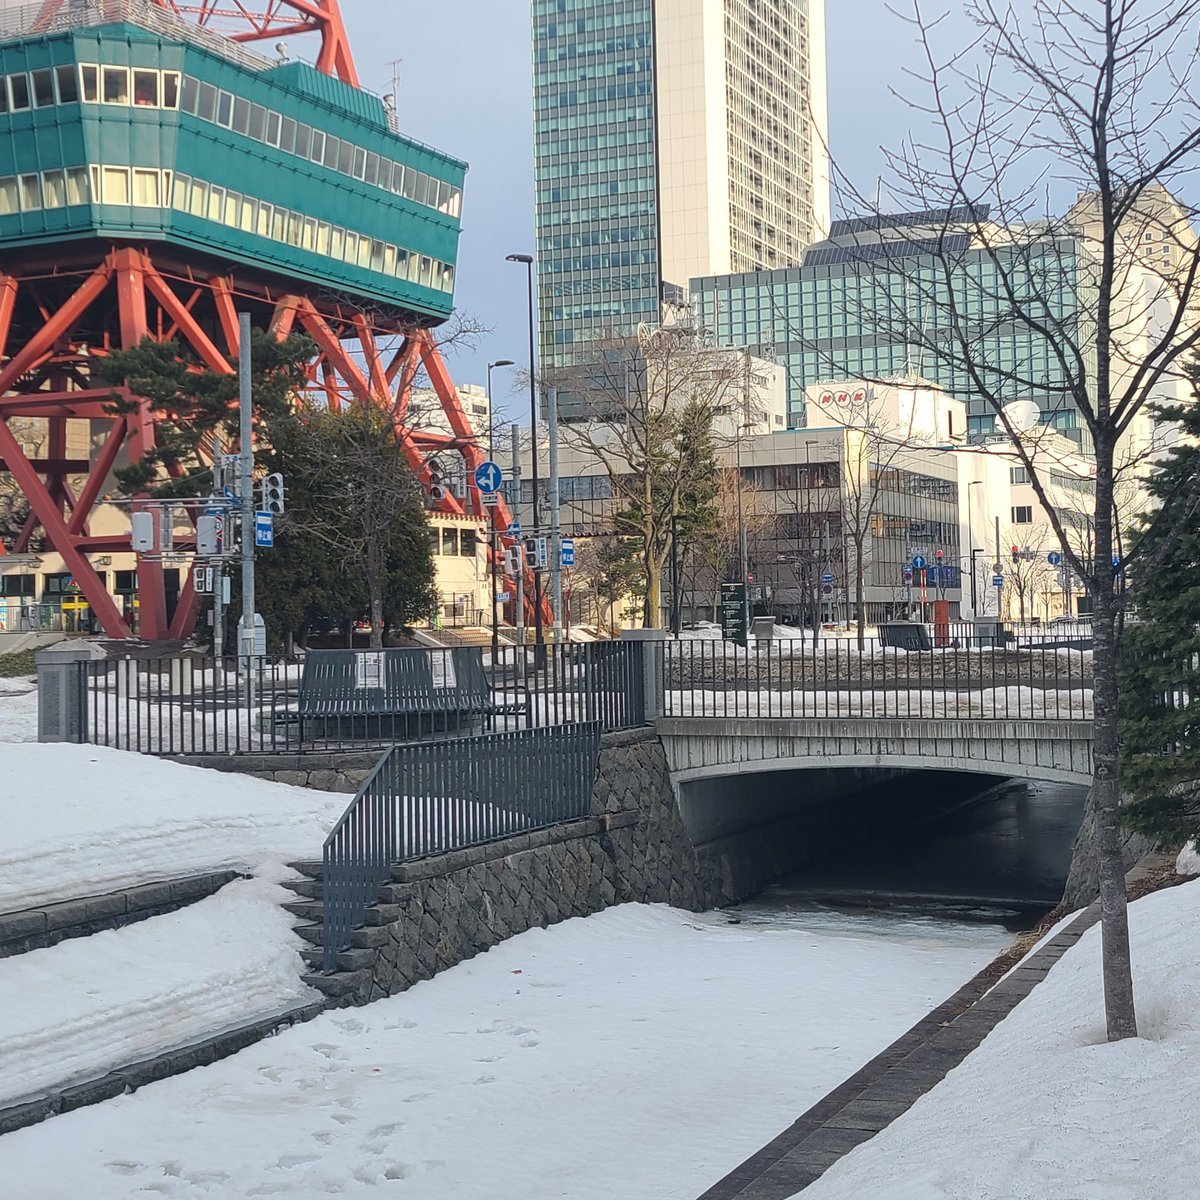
(1022,514)
(145,89)
(1017,476)
(466,543)
(115,81)
(449,541)
(67,83)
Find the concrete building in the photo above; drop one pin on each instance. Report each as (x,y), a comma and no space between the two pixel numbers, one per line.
(673,138)
(863,303)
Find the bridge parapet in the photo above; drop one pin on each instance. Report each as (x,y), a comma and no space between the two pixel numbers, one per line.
(711,747)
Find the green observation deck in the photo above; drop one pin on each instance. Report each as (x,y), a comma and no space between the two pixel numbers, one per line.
(169,134)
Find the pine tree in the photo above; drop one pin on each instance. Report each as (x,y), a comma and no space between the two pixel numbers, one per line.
(1160,667)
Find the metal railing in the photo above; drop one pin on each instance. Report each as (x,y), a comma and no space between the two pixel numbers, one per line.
(433,797)
(1030,674)
(200,706)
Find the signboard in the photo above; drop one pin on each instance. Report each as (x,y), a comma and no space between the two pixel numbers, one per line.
(488,478)
(202,580)
(1054,558)
(489,499)
(827,589)
(441,669)
(918,562)
(734,613)
(368,669)
(997,581)
(264,530)
(568,552)
(906,574)
(827,577)
(543,553)
(514,527)
(503,597)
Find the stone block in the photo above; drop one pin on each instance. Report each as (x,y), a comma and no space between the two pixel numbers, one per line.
(27,1112)
(21,924)
(91,1092)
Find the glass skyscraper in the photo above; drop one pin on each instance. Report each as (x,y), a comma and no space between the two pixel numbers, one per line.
(671,139)
(869,302)
(596,169)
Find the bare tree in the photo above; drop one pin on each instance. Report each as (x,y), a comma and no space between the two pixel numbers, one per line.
(1086,106)
(646,410)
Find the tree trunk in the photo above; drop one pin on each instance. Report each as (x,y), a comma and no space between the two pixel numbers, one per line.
(375,591)
(1106,750)
(651,606)
(860,594)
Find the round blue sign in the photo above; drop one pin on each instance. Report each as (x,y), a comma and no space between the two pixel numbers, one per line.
(918,562)
(1054,558)
(488,477)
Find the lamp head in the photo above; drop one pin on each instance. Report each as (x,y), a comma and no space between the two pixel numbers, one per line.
(520,258)
(503,362)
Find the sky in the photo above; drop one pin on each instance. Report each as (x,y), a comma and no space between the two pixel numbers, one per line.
(465,87)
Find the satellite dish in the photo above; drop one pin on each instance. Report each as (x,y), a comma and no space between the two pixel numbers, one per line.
(1023,415)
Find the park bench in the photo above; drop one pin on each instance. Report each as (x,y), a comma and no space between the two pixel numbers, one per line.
(395,692)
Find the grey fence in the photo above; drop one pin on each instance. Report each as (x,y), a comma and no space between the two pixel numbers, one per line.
(355,699)
(431,797)
(955,671)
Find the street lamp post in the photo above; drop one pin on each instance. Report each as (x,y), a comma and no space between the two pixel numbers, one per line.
(539,636)
(493,541)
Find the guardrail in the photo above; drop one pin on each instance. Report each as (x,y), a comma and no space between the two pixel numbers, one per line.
(1033,675)
(356,700)
(433,797)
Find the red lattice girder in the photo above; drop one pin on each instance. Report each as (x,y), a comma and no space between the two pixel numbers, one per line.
(243,21)
(56,317)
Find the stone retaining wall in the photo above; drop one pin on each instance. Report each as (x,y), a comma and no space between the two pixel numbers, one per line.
(327,771)
(442,910)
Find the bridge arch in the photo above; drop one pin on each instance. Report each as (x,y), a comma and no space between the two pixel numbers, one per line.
(714,747)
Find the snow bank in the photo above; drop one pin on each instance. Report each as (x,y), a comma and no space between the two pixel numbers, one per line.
(1188,862)
(78,1009)
(643,1052)
(79,820)
(1046,1108)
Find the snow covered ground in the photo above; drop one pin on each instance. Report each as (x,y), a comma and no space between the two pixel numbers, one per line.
(78,1009)
(640,1053)
(18,710)
(79,820)
(1046,1108)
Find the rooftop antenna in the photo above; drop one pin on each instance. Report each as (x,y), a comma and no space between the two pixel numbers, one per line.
(394,82)
(282,50)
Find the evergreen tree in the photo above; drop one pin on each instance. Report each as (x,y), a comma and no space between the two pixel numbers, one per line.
(1160,664)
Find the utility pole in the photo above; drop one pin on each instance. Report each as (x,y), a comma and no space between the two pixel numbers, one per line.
(743,552)
(556,584)
(246,487)
(518,549)
(998,566)
(218,573)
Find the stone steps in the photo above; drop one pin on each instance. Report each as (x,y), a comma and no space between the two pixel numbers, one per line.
(46,925)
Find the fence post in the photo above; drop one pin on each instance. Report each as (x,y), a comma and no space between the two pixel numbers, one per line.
(62,693)
(653,668)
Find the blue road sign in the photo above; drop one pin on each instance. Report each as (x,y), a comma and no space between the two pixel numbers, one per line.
(568,552)
(264,530)
(827,577)
(488,477)
(1116,560)
(1054,558)
(997,581)
(918,562)
(514,527)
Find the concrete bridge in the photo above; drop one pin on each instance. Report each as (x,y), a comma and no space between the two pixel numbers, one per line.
(712,747)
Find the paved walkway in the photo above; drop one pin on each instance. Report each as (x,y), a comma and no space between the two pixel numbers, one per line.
(892,1081)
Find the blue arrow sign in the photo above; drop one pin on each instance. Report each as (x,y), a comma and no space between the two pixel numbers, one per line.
(264,530)
(1054,558)
(488,477)
(514,527)
(918,562)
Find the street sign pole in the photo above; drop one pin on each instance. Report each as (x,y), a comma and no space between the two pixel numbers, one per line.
(219,589)
(520,568)
(556,584)
(246,497)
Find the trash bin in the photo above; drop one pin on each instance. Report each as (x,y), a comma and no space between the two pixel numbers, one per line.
(762,630)
(904,635)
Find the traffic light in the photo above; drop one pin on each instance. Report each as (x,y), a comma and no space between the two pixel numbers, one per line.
(208,537)
(272,494)
(1016,555)
(531,551)
(142,532)
(437,481)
